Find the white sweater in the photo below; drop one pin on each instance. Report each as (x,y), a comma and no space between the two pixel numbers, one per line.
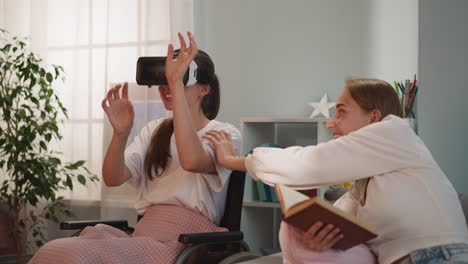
(409,200)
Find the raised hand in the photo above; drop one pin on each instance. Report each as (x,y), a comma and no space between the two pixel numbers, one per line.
(321,239)
(119,110)
(222,143)
(176,67)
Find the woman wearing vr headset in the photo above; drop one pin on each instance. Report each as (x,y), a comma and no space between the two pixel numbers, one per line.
(181,188)
(399,189)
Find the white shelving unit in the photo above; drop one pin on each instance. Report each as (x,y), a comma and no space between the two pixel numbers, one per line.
(261,220)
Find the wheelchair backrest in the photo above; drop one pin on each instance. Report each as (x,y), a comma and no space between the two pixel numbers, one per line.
(234,198)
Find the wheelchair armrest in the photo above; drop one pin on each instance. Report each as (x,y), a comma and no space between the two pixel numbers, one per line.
(72,225)
(211,237)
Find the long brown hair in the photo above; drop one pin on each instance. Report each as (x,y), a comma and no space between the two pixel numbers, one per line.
(159,153)
(372,94)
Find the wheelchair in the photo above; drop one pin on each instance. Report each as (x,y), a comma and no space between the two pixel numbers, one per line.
(207,248)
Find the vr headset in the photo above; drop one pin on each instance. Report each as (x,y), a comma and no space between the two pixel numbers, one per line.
(151,71)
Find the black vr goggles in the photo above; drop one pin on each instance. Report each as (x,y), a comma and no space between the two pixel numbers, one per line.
(151,71)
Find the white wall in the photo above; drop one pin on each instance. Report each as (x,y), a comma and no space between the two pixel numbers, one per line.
(274,56)
(443,71)
(393,30)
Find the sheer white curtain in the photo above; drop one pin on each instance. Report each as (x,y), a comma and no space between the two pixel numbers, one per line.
(98,43)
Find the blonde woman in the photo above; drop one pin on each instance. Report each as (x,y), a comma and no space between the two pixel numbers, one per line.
(399,188)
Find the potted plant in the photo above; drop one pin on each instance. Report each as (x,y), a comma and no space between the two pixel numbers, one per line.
(30,114)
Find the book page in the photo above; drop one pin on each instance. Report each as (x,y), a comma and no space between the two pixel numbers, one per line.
(291,196)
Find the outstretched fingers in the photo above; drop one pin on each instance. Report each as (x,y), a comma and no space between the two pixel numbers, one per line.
(193,49)
(104,104)
(125,91)
(170,53)
(114,94)
(183,45)
(187,53)
(177,66)
(111,93)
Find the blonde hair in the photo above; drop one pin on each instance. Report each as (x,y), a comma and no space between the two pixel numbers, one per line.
(371,94)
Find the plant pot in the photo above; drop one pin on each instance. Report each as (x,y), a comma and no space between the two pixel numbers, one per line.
(7,243)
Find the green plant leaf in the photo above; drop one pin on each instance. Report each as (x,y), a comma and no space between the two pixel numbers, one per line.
(82,179)
(69,183)
(49,77)
(76,165)
(6,48)
(55,161)
(33,82)
(43,145)
(55,219)
(35,101)
(68,213)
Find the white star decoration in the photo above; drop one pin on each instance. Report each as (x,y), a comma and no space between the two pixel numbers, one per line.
(322,107)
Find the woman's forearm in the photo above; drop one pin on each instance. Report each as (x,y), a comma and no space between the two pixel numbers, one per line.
(193,157)
(114,171)
(234,163)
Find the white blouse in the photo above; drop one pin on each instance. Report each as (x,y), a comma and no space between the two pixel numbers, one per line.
(203,192)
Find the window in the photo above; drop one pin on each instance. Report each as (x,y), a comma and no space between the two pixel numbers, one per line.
(98,43)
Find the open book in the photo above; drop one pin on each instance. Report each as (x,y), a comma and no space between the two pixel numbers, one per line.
(302,212)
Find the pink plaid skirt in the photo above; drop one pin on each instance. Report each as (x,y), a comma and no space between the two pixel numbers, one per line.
(154,240)
(296,252)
